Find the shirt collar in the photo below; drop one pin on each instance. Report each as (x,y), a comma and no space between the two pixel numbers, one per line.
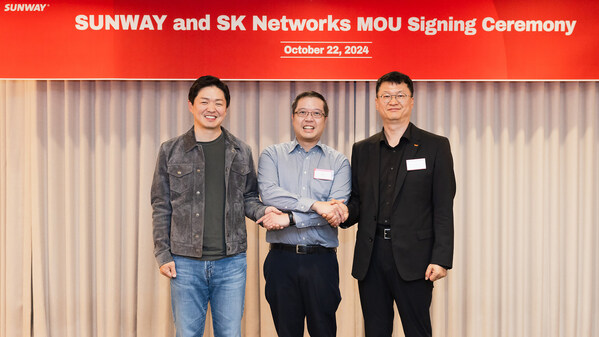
(407,134)
(295,145)
(189,140)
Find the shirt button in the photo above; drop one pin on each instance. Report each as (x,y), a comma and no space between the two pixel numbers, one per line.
(196,236)
(386,221)
(197,214)
(392,169)
(198,170)
(198,192)
(178,172)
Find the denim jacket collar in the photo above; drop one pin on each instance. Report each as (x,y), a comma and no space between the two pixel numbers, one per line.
(189,139)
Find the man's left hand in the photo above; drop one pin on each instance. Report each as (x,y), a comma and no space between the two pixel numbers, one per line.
(435,272)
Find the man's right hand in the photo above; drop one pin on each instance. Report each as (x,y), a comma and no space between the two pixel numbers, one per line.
(168,269)
(342,208)
(274,220)
(334,211)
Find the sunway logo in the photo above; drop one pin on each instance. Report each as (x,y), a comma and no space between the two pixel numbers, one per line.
(25,7)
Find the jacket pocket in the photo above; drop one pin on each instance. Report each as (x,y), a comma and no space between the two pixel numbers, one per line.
(238,175)
(180,177)
(240,167)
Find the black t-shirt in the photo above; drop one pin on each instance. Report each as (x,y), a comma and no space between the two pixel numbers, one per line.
(214,246)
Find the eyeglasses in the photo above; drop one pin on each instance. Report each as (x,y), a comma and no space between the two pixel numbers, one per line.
(316,114)
(401,97)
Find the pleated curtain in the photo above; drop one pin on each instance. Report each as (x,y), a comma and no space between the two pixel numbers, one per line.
(77,159)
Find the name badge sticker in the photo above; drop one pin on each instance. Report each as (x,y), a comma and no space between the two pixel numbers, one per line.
(322,174)
(416,164)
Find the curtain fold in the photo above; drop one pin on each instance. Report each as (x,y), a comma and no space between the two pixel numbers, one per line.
(77,159)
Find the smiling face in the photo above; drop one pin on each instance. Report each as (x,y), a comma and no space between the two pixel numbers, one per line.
(308,129)
(396,110)
(209,109)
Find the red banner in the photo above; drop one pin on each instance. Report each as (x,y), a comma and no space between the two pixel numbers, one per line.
(300,40)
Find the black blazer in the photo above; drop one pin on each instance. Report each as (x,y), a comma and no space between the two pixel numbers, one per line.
(422,220)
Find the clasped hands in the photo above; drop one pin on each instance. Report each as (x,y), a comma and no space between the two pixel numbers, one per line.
(334,211)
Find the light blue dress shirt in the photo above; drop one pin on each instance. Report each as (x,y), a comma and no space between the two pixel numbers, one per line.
(292,179)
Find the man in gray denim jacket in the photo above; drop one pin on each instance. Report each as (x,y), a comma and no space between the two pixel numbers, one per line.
(204,185)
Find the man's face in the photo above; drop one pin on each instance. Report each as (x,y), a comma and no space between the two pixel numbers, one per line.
(309,129)
(394,102)
(209,108)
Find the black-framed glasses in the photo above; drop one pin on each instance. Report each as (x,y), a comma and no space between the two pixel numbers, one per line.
(315,114)
(401,97)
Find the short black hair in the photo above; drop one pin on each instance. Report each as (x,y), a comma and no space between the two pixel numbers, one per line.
(397,78)
(310,94)
(208,81)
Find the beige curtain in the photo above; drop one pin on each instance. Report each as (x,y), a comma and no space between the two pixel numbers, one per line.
(77,157)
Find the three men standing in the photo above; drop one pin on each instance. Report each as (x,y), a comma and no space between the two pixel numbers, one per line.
(402,187)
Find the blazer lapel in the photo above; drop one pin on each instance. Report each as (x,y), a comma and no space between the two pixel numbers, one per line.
(409,153)
(374,158)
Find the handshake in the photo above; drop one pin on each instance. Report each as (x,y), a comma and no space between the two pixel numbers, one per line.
(334,211)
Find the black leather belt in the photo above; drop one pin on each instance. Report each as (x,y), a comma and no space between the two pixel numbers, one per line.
(383,232)
(302,249)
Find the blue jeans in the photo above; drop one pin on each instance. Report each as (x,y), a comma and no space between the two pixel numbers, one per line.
(220,282)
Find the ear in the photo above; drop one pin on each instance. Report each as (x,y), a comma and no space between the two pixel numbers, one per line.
(190,106)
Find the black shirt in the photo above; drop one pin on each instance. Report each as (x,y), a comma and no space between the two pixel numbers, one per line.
(389,162)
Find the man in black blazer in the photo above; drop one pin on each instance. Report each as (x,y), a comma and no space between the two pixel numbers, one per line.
(403,186)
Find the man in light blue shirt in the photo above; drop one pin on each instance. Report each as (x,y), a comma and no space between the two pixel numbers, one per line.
(304,178)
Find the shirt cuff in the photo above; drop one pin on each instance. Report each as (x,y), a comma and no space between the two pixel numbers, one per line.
(304,204)
(303,220)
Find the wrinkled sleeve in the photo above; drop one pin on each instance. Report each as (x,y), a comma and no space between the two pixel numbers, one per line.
(270,190)
(444,190)
(353,204)
(161,210)
(254,209)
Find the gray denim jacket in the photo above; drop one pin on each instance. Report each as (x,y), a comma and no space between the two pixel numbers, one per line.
(178,197)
